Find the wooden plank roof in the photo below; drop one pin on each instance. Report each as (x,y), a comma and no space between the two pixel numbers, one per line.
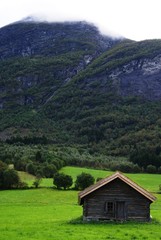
(107,180)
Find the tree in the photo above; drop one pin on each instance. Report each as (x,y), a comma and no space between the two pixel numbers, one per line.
(30,168)
(10,179)
(84,180)
(62,181)
(3,167)
(151,169)
(38,157)
(37,181)
(49,170)
(143,157)
(20,164)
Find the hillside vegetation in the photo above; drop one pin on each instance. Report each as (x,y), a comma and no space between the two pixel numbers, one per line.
(66,84)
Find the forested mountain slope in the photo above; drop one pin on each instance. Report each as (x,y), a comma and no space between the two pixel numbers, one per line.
(66,83)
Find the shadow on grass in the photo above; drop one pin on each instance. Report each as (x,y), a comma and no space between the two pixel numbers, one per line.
(80,220)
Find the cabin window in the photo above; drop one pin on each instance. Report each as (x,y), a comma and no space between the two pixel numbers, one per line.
(109,207)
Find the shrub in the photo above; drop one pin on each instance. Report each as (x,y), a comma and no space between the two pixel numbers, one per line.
(136,169)
(39,171)
(10,179)
(30,168)
(62,181)
(84,180)
(151,169)
(49,170)
(23,185)
(37,181)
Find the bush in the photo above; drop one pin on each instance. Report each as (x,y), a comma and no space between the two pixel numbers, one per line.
(144,157)
(30,168)
(49,170)
(84,180)
(20,165)
(62,181)
(10,179)
(136,169)
(23,185)
(151,169)
(37,181)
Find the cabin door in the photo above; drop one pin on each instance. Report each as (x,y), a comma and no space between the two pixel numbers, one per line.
(120,210)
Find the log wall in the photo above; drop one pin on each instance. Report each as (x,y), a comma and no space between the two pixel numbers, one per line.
(128,203)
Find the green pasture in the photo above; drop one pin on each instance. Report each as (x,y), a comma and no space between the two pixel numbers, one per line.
(49,214)
(26,177)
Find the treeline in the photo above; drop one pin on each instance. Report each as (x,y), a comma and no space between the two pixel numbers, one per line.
(45,160)
(112,128)
(10,179)
(149,161)
(36,160)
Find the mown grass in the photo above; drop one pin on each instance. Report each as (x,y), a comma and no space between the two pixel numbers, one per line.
(46,213)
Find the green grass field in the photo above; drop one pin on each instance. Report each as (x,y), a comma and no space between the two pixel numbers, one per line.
(46,213)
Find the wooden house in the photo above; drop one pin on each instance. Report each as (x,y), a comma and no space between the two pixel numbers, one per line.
(116,198)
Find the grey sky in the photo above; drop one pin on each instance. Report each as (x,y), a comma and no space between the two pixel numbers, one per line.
(134,19)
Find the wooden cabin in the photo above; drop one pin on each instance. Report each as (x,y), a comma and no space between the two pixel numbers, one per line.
(116,198)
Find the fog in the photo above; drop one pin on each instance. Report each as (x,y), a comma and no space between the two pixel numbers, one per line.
(134,19)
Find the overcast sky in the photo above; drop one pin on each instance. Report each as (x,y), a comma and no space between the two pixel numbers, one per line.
(134,19)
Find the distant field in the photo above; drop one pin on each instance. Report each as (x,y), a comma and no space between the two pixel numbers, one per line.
(74,171)
(45,214)
(26,177)
(150,182)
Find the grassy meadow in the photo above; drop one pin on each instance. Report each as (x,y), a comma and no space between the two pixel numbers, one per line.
(46,213)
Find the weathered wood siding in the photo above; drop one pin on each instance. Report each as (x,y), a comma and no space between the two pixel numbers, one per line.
(134,205)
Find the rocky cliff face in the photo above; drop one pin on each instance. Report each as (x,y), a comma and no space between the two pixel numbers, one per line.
(129,69)
(140,77)
(37,59)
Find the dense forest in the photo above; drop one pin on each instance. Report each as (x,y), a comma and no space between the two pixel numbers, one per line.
(71,96)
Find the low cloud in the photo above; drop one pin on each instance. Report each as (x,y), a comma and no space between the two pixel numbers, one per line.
(133,19)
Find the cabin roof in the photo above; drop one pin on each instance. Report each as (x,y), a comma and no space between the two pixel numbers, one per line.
(109,179)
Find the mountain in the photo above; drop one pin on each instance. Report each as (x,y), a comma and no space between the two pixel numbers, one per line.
(40,55)
(31,39)
(67,83)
